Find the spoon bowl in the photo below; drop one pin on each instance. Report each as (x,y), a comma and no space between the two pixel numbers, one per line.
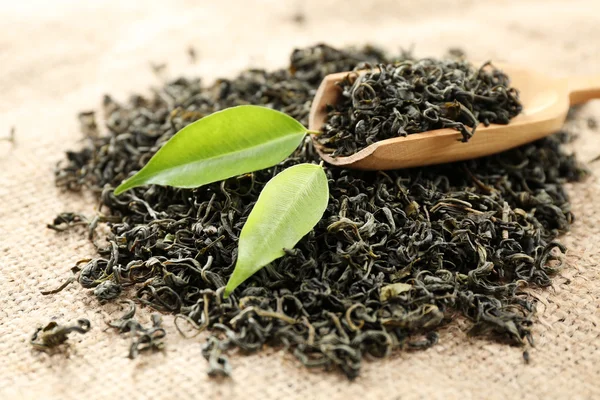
(546,101)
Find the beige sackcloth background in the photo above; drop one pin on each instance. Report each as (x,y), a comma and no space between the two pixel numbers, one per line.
(58,58)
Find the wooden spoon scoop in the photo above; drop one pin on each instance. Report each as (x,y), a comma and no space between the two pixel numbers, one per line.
(545,100)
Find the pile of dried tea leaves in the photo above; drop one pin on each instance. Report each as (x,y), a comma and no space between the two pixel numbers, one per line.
(397,255)
(405,97)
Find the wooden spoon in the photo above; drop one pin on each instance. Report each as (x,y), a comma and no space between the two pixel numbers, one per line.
(546,101)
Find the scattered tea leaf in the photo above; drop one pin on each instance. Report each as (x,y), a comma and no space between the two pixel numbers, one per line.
(227,143)
(143,338)
(288,207)
(53,334)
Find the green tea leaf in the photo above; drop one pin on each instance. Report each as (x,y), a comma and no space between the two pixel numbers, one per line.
(227,143)
(288,207)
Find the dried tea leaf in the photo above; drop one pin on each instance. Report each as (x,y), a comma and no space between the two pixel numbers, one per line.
(393,290)
(288,207)
(230,142)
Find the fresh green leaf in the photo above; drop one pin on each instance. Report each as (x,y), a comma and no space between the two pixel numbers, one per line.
(288,207)
(227,143)
(393,290)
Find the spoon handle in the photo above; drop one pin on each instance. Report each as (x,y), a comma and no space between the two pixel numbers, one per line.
(583,89)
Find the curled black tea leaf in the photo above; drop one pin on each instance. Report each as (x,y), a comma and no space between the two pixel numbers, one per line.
(107,290)
(218,364)
(72,278)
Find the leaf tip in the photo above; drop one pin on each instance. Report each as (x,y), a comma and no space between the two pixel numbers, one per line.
(128,184)
(228,289)
(121,188)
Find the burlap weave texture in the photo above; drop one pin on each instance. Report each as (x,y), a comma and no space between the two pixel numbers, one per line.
(58,60)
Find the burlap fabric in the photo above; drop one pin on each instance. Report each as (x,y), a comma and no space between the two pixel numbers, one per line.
(57,60)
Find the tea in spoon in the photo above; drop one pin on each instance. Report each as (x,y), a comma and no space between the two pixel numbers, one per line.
(546,101)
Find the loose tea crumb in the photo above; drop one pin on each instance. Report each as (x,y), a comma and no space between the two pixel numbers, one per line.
(464,237)
(11,136)
(193,56)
